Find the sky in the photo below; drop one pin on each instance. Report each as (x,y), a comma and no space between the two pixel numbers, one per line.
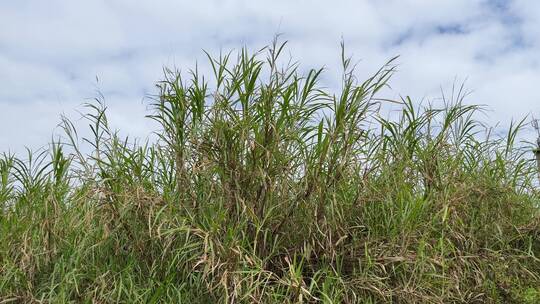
(55,55)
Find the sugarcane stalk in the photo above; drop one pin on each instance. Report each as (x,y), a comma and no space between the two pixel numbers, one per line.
(537,153)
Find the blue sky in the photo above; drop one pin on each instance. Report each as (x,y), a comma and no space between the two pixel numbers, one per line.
(51,52)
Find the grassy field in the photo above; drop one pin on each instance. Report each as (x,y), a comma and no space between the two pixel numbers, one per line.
(265,187)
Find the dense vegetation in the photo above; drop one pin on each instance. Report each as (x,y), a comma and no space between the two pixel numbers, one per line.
(265,187)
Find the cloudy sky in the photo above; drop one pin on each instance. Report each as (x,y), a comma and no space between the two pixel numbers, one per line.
(56,54)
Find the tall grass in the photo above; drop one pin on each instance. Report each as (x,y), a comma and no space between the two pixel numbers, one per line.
(264,187)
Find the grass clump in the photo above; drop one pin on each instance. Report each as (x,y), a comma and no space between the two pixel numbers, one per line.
(266,188)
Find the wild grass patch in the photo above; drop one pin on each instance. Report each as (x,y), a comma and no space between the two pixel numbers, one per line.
(265,187)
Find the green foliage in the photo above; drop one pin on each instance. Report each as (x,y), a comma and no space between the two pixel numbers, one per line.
(264,187)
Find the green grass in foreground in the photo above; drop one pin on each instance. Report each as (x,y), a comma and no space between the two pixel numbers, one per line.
(266,188)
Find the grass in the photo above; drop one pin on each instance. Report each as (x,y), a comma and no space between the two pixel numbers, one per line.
(264,187)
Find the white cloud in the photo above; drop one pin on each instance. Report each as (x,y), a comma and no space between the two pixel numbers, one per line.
(51,51)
